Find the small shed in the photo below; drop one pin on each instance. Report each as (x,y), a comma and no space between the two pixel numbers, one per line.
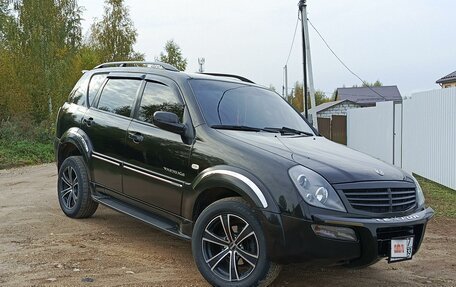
(332,119)
(369,96)
(339,108)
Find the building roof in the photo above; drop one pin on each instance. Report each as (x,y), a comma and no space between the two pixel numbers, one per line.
(447,79)
(366,96)
(327,105)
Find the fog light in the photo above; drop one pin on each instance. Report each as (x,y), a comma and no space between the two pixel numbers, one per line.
(334,232)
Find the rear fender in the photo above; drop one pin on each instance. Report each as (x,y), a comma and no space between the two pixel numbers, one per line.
(78,138)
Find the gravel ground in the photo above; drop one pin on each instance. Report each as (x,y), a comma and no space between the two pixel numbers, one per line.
(40,246)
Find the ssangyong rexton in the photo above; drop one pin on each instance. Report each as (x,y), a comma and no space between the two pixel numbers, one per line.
(231,166)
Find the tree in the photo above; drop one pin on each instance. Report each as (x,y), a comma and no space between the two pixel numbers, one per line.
(42,41)
(173,56)
(297,100)
(367,84)
(375,84)
(320,98)
(115,35)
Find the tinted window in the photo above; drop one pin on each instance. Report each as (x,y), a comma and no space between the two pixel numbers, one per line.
(78,95)
(224,103)
(158,97)
(118,96)
(95,84)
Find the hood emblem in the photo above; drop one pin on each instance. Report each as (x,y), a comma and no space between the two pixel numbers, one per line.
(379,172)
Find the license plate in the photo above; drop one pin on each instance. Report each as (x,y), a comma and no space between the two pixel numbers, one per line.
(401,249)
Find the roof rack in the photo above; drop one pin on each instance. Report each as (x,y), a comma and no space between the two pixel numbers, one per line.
(138,63)
(229,76)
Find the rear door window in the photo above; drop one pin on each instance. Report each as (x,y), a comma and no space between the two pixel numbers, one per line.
(118,96)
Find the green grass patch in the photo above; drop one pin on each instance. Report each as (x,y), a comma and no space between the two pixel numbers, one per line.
(23,142)
(25,152)
(442,199)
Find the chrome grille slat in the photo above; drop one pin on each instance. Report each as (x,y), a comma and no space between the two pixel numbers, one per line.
(381,200)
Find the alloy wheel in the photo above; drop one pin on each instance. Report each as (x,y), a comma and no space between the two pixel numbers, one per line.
(69,192)
(230,247)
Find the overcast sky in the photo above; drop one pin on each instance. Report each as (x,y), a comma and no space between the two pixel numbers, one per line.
(399,42)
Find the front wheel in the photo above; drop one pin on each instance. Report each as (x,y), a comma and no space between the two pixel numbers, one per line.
(229,246)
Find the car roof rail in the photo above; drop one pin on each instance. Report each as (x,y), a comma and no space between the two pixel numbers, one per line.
(162,65)
(229,76)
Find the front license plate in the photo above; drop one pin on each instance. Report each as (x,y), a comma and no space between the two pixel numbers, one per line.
(401,249)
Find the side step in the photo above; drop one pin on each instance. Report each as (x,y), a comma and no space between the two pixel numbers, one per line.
(154,220)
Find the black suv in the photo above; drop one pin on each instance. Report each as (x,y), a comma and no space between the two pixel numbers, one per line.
(231,166)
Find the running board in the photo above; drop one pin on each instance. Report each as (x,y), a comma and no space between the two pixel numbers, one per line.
(154,220)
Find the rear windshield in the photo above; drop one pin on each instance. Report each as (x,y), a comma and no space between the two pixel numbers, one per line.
(226,103)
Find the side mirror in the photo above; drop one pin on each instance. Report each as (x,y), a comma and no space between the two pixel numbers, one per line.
(169,122)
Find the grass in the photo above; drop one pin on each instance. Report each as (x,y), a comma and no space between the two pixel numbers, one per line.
(25,143)
(25,152)
(442,199)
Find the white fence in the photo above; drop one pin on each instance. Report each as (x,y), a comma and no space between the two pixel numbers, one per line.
(371,130)
(419,135)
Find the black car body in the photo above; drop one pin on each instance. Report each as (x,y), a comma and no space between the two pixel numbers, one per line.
(166,162)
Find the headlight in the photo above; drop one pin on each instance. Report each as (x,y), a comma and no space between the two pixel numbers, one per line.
(419,192)
(315,189)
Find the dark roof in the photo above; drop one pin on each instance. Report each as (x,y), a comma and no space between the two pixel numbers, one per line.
(448,78)
(369,96)
(328,105)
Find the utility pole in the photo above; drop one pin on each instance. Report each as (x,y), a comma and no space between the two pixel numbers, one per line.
(201,62)
(285,69)
(309,70)
(302,8)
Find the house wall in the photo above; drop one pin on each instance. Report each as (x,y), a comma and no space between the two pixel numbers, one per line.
(449,85)
(339,110)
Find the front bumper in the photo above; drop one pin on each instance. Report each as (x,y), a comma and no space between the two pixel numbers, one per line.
(301,244)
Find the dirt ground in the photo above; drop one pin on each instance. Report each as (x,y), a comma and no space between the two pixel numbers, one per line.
(40,246)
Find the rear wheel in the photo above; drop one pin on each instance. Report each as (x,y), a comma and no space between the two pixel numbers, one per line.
(74,190)
(229,246)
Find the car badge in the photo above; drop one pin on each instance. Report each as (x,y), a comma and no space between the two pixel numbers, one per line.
(379,172)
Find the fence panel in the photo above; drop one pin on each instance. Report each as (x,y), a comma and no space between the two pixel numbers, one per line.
(429,135)
(371,131)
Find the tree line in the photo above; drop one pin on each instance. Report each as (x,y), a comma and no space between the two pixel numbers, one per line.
(43,51)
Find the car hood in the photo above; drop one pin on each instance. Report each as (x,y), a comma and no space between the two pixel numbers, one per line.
(337,163)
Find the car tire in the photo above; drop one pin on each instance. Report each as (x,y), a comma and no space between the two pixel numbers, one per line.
(73,189)
(229,246)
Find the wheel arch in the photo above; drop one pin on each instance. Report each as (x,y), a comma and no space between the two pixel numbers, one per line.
(74,142)
(225,181)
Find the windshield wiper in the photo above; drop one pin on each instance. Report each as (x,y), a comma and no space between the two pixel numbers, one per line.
(286,130)
(236,128)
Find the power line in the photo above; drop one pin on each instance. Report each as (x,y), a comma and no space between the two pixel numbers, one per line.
(342,62)
(292,42)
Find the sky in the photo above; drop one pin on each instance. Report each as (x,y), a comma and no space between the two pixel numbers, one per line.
(406,43)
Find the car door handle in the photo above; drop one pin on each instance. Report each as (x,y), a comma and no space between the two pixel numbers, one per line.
(88,122)
(135,137)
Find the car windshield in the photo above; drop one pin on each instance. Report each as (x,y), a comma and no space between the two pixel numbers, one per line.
(227,104)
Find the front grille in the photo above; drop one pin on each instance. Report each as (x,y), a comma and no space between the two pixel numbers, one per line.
(381,200)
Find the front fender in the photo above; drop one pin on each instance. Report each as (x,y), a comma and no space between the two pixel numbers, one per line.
(233,178)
